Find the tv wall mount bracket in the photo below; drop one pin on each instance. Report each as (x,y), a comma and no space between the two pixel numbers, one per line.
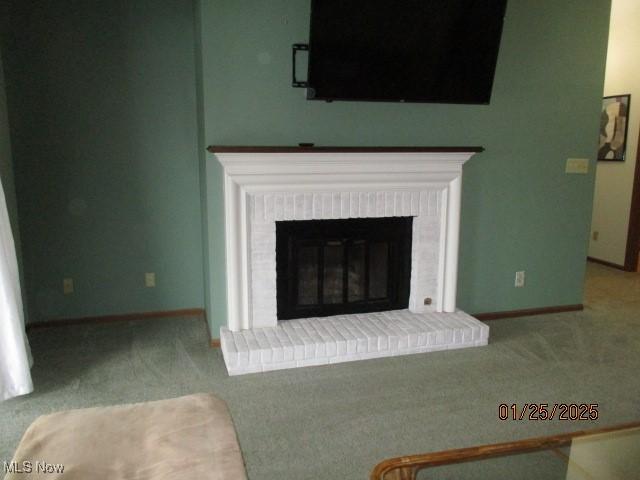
(295,48)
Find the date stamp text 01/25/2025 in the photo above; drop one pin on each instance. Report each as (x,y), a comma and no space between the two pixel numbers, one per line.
(548,411)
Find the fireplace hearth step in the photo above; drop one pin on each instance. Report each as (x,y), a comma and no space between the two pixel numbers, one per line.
(344,338)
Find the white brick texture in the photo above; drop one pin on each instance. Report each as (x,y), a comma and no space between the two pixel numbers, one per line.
(267,208)
(344,338)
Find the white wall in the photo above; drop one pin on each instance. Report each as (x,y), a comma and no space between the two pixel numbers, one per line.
(614,180)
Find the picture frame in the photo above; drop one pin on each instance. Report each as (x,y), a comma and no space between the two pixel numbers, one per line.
(614,124)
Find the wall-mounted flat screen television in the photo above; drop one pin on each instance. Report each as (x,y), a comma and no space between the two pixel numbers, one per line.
(440,51)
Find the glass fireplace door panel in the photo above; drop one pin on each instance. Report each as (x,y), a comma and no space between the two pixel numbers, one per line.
(356,276)
(333,281)
(308,256)
(378,270)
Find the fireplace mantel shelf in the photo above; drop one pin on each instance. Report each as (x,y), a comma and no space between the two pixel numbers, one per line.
(321,149)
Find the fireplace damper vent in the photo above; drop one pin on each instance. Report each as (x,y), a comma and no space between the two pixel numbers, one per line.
(331,267)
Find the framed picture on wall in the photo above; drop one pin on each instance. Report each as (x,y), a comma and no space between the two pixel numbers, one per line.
(614,121)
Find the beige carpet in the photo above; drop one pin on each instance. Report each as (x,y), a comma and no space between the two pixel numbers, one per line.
(335,422)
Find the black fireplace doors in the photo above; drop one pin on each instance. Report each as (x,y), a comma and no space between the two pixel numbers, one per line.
(331,267)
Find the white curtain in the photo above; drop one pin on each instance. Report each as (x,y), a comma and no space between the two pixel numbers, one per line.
(15,357)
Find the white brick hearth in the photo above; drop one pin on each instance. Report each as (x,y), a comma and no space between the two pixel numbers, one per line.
(344,338)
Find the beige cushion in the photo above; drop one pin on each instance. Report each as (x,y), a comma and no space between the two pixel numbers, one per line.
(186,437)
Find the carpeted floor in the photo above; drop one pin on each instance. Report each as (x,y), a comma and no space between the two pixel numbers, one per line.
(338,421)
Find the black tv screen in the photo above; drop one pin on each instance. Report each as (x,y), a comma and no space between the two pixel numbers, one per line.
(440,51)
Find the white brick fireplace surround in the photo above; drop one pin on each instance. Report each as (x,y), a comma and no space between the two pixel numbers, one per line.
(263,185)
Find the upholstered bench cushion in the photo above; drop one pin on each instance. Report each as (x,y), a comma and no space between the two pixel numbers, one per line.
(186,437)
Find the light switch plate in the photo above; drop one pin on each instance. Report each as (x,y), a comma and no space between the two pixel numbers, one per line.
(577,165)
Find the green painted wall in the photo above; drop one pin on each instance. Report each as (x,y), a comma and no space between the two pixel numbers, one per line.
(102,102)
(6,163)
(520,210)
(112,103)
(7,176)
(202,171)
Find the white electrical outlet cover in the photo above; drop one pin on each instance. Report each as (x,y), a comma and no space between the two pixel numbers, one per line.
(67,286)
(150,279)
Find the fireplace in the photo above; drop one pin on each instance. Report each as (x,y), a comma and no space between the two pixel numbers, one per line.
(331,267)
(339,254)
